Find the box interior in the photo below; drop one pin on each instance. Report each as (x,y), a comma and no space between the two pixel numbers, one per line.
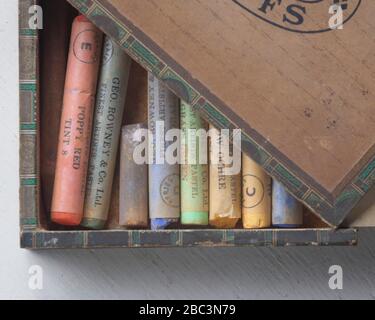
(54,45)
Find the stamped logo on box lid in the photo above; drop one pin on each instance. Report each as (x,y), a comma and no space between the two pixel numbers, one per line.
(302,16)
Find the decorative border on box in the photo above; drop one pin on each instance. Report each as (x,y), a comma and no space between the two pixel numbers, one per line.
(29,107)
(313,197)
(186,238)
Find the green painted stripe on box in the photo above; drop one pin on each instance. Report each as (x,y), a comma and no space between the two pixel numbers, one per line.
(28,33)
(258,152)
(188,94)
(229,237)
(82,5)
(29,182)
(98,12)
(176,238)
(214,113)
(135,238)
(28,87)
(128,42)
(367,171)
(29,222)
(145,55)
(347,198)
(288,176)
(28,126)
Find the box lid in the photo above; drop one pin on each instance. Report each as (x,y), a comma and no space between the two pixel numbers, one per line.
(302,93)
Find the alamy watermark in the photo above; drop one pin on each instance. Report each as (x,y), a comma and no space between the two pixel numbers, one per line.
(35,277)
(190,146)
(36,17)
(336,21)
(336,12)
(336,281)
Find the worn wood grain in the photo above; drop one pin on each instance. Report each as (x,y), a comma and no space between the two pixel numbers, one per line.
(317,89)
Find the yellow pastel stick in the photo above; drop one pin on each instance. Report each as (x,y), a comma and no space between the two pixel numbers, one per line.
(225,190)
(256,195)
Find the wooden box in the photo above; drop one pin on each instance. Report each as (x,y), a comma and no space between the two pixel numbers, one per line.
(239,69)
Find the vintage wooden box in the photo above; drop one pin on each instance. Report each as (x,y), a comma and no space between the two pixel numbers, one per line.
(301,93)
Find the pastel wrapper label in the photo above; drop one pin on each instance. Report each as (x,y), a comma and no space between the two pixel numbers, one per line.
(225,190)
(108,116)
(256,195)
(76,123)
(286,210)
(133,181)
(164,179)
(194,177)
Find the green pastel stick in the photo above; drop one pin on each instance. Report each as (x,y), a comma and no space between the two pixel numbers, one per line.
(112,88)
(194,176)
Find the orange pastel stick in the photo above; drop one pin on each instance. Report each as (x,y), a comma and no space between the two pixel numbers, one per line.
(76,123)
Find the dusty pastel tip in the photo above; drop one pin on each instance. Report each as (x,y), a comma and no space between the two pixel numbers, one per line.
(162,223)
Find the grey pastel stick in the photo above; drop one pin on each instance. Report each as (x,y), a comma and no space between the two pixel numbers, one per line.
(133,180)
(108,116)
(164,178)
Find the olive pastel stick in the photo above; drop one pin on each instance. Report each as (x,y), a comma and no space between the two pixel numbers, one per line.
(109,109)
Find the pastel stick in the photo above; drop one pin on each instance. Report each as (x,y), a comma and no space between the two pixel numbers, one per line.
(225,190)
(133,211)
(194,176)
(109,109)
(164,178)
(76,123)
(256,195)
(135,114)
(287,212)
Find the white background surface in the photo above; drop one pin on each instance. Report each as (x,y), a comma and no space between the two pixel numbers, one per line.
(198,273)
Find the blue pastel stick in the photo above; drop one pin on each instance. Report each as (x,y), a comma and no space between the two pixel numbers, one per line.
(287,212)
(162,223)
(164,178)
